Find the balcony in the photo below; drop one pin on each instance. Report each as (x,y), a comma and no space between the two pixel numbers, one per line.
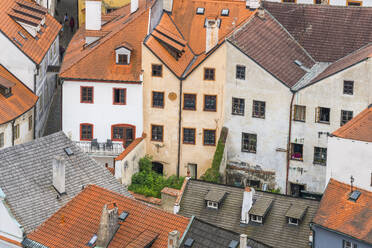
(100,148)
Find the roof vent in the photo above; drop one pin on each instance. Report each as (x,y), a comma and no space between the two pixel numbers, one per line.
(225,12)
(233,244)
(68,151)
(299,64)
(22,35)
(200,11)
(92,241)
(123,216)
(189,242)
(354,195)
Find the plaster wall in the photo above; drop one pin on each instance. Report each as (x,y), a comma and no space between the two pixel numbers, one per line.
(326,93)
(365,3)
(102,113)
(348,158)
(7,130)
(9,227)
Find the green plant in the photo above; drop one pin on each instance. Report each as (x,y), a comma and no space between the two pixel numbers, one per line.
(276,191)
(212,174)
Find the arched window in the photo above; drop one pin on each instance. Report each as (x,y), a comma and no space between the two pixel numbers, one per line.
(86,131)
(123,132)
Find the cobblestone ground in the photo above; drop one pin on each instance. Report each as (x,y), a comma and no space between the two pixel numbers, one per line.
(54,122)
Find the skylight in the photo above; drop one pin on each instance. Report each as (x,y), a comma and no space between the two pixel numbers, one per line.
(92,241)
(225,12)
(123,216)
(355,195)
(189,242)
(22,35)
(200,11)
(68,151)
(233,244)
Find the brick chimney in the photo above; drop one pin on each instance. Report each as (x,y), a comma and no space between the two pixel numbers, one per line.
(243,241)
(247,204)
(108,225)
(174,239)
(93,14)
(59,170)
(212,27)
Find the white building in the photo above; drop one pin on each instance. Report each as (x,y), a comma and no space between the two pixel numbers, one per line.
(350,151)
(364,3)
(48,4)
(29,46)
(102,83)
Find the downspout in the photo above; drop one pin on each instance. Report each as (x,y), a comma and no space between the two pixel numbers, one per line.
(289,141)
(13,121)
(35,108)
(61,85)
(179,131)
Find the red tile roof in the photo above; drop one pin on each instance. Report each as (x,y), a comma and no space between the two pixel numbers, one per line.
(338,213)
(358,128)
(75,223)
(21,100)
(129,149)
(35,49)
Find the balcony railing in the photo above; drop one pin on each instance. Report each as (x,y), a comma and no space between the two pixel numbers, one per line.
(100,148)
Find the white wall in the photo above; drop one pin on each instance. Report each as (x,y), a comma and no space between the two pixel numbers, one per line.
(348,158)
(365,3)
(93,15)
(102,113)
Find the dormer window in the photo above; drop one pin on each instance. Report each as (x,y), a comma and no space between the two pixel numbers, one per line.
(123,53)
(212,204)
(293,221)
(256,218)
(260,209)
(6,87)
(295,214)
(123,59)
(214,198)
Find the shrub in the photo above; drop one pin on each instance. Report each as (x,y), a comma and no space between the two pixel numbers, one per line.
(213,174)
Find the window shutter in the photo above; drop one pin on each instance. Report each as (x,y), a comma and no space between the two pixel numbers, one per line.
(317,114)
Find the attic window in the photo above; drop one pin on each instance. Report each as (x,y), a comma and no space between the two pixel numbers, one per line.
(211,204)
(200,11)
(225,12)
(17,41)
(123,54)
(214,198)
(123,216)
(68,151)
(354,195)
(256,218)
(293,221)
(233,244)
(92,241)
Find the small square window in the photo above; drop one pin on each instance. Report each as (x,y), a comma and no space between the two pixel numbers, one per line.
(189,136)
(86,131)
(322,115)
(211,204)
(293,221)
(320,155)
(299,113)
(348,87)
(346,116)
(157,71)
(225,12)
(258,109)
(119,96)
(200,11)
(156,133)
(157,99)
(256,218)
(86,94)
(249,142)
(240,72)
(237,106)
(122,59)
(209,74)
(297,151)
(210,103)
(189,101)
(209,137)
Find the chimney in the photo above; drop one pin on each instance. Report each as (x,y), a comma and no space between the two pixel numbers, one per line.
(252,4)
(174,239)
(133,6)
(211,30)
(261,13)
(108,225)
(93,14)
(167,5)
(243,241)
(247,204)
(59,168)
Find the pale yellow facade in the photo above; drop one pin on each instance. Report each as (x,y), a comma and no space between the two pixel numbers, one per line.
(166,152)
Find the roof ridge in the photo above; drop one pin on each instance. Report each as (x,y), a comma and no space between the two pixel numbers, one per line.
(342,184)
(318,5)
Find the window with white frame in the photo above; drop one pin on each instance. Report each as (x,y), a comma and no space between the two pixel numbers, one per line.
(348,244)
(293,221)
(256,218)
(122,56)
(212,204)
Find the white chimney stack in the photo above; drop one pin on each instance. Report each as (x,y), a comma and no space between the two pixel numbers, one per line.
(133,6)
(168,5)
(247,204)
(211,30)
(174,239)
(93,14)
(243,241)
(252,4)
(59,168)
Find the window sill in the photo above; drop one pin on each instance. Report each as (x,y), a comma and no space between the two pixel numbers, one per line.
(319,163)
(119,104)
(299,120)
(249,151)
(324,122)
(87,102)
(259,117)
(189,109)
(160,141)
(209,144)
(158,107)
(210,110)
(188,143)
(239,114)
(298,159)
(156,76)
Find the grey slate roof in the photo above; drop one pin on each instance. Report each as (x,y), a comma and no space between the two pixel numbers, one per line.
(275,230)
(26,178)
(261,207)
(215,196)
(206,235)
(296,211)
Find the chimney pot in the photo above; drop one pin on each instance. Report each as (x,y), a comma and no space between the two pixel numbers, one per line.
(243,241)
(93,15)
(173,239)
(59,170)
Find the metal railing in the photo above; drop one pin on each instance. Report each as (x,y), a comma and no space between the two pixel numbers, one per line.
(100,148)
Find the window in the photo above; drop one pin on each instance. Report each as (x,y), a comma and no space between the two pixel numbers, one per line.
(30,123)
(119,96)
(209,137)
(124,133)
(240,72)
(2,141)
(256,218)
(293,221)
(212,204)
(86,131)
(157,71)
(189,101)
(225,12)
(209,74)
(348,244)
(348,87)
(157,99)
(258,109)
(86,94)
(354,3)
(189,136)
(299,113)
(320,155)
(193,169)
(199,11)
(122,59)
(249,142)
(16,131)
(289,1)
(297,151)
(322,115)
(157,133)
(346,116)
(210,103)
(237,106)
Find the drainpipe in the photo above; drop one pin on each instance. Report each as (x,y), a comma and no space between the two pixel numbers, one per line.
(35,108)
(13,121)
(289,141)
(179,131)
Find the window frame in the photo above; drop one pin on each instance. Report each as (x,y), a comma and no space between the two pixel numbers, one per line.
(81,131)
(16,131)
(292,152)
(318,115)
(212,204)
(113,96)
(183,136)
(238,74)
(162,133)
(353,1)
(264,111)
(204,132)
(81,94)
(2,139)
(206,76)
(232,106)
(126,61)
(30,122)
(291,222)
(204,105)
(195,98)
(154,71)
(342,115)
(295,108)
(347,87)
(152,99)
(248,138)
(123,126)
(321,150)
(256,218)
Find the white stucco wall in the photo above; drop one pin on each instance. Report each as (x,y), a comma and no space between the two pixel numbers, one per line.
(102,113)
(348,158)
(365,3)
